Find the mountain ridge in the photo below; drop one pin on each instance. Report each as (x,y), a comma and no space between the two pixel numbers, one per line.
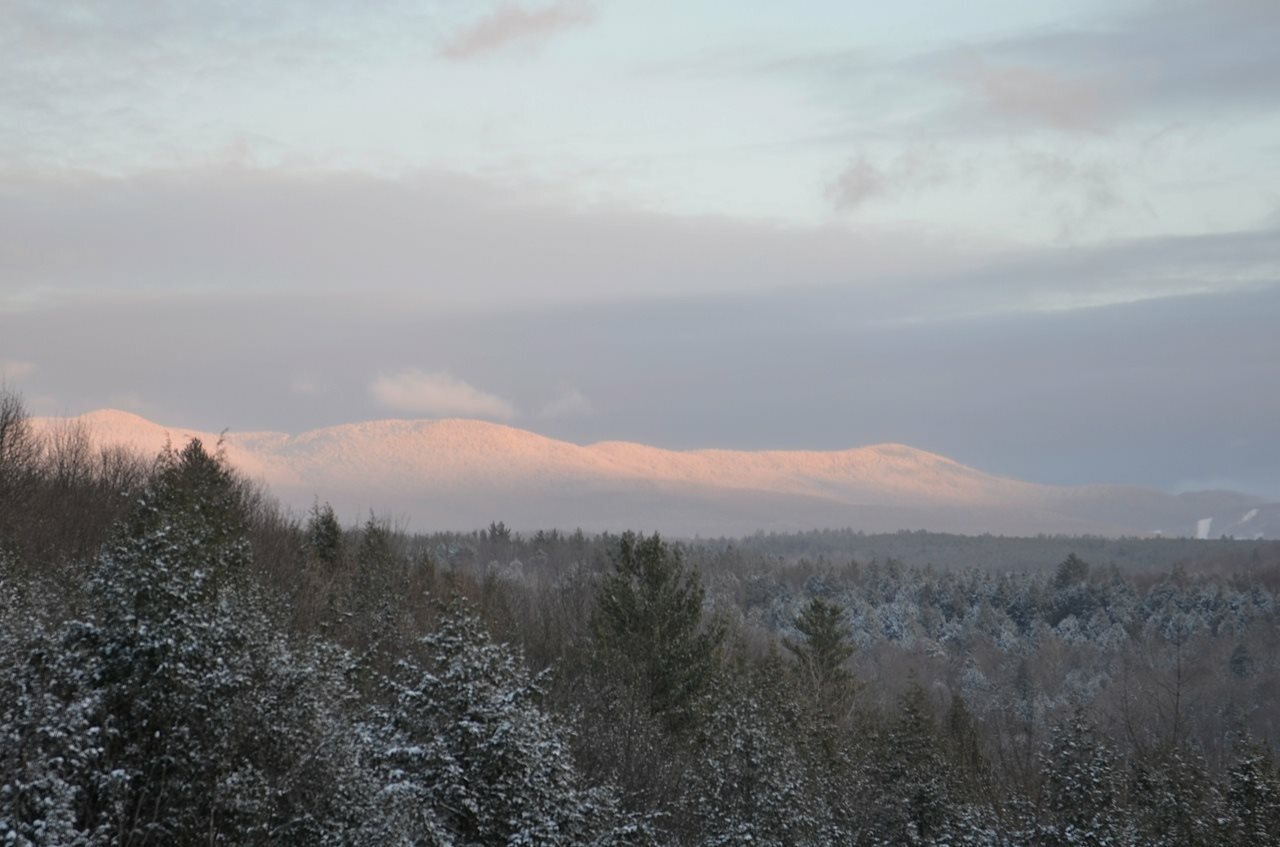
(459,473)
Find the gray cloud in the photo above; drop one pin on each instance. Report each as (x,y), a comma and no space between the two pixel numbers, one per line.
(1215,55)
(444,239)
(509,24)
(861,181)
(1161,58)
(452,242)
(1090,188)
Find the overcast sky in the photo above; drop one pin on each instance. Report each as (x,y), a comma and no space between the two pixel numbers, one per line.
(1040,238)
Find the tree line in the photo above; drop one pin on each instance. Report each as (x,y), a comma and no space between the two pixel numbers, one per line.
(182,662)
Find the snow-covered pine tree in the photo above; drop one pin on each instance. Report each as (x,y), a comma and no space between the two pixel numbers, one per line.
(749,783)
(1081,801)
(49,734)
(1253,796)
(468,746)
(176,712)
(907,782)
(1174,801)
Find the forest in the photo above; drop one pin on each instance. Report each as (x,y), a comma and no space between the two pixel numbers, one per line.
(183,661)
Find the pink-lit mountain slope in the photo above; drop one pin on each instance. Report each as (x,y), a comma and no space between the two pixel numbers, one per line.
(462,474)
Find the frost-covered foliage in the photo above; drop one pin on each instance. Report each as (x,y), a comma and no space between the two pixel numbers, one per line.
(175,711)
(1253,796)
(1176,800)
(50,738)
(749,783)
(1081,798)
(888,602)
(910,787)
(468,748)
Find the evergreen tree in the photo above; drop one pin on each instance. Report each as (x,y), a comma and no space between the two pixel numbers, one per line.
(821,655)
(482,763)
(324,535)
(649,628)
(51,749)
(750,783)
(964,750)
(186,717)
(909,786)
(1081,797)
(379,572)
(1253,796)
(1071,571)
(1175,802)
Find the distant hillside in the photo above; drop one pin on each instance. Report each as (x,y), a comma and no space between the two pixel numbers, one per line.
(431,474)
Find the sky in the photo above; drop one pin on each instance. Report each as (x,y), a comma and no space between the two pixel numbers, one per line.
(1041,239)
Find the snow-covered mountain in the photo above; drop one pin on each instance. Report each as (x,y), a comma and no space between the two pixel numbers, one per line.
(462,474)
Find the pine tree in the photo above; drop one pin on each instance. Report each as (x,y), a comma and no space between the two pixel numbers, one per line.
(1175,802)
(924,779)
(749,785)
(1253,796)
(324,535)
(1081,797)
(50,741)
(471,750)
(379,571)
(185,717)
(821,656)
(649,628)
(1071,571)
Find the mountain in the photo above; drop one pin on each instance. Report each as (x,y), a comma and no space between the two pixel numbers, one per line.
(462,474)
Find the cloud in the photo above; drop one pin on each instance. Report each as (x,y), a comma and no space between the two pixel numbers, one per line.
(1164,56)
(570,403)
(512,24)
(1090,188)
(1038,95)
(1161,60)
(437,394)
(862,181)
(429,236)
(857,183)
(11,369)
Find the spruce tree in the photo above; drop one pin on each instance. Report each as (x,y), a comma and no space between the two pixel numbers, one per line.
(649,627)
(324,535)
(477,760)
(1081,802)
(821,655)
